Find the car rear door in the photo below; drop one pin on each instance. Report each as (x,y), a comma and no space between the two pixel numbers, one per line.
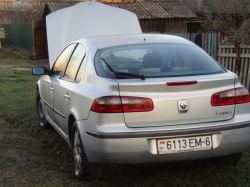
(47,86)
(66,86)
(50,82)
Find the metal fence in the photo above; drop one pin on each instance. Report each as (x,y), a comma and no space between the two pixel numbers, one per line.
(18,36)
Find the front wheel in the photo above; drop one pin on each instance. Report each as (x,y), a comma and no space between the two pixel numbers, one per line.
(42,122)
(83,169)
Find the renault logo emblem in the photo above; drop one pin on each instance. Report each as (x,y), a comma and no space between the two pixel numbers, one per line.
(183,106)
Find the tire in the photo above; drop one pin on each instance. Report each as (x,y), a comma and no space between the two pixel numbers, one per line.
(83,169)
(229,160)
(42,122)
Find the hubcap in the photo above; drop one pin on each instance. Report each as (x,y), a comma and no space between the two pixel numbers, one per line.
(77,152)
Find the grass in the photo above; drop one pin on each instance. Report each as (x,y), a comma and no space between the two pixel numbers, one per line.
(32,157)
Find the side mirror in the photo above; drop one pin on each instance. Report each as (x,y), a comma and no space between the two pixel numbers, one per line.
(40,70)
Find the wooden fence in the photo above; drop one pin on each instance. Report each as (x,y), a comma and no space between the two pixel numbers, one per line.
(210,41)
(227,57)
(225,54)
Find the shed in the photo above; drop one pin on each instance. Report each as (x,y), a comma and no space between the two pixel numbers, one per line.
(157,16)
(154,17)
(160,16)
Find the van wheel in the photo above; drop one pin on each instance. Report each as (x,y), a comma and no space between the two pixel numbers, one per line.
(83,169)
(229,160)
(42,122)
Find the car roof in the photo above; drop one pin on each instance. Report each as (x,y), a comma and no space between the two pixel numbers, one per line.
(115,40)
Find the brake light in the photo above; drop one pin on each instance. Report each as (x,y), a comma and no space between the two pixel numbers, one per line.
(116,104)
(230,97)
(182,83)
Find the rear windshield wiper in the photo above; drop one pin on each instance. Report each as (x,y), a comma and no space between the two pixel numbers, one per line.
(123,74)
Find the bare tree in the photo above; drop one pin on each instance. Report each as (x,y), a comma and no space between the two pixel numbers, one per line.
(227,17)
(25,12)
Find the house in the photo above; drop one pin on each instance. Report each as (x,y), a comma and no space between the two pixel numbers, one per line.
(154,16)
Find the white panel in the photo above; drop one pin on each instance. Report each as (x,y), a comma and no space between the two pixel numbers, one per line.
(84,20)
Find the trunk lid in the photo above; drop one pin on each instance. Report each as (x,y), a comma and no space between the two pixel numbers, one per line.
(167,100)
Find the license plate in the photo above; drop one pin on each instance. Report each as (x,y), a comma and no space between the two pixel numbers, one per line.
(186,144)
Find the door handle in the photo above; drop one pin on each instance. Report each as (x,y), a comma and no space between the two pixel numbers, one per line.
(51,88)
(67,96)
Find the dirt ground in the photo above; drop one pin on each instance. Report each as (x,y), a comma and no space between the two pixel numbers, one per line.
(21,165)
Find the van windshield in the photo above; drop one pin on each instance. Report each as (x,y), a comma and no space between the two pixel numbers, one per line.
(156,60)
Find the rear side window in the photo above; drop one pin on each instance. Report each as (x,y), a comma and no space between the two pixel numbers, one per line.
(156,60)
(80,73)
(73,69)
(62,61)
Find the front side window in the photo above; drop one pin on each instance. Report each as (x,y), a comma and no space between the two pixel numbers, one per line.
(62,61)
(73,69)
(156,60)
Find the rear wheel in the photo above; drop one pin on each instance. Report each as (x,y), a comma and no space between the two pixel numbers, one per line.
(83,169)
(229,160)
(40,113)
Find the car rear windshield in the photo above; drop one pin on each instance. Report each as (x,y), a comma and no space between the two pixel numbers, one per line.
(155,60)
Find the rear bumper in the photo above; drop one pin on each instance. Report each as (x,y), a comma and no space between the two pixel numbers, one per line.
(140,146)
(184,131)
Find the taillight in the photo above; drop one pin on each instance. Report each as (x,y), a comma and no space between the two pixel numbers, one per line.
(230,97)
(107,104)
(242,96)
(136,104)
(116,104)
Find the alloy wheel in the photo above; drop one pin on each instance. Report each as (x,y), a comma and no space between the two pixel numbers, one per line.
(77,152)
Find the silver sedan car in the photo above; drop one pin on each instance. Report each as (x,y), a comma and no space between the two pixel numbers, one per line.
(141,99)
